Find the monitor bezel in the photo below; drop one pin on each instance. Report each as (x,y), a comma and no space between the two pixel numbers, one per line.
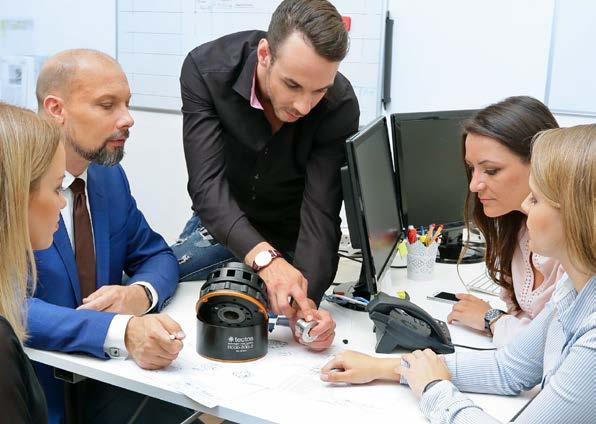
(372,275)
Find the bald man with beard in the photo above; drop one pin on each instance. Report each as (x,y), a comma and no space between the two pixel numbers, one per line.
(81,303)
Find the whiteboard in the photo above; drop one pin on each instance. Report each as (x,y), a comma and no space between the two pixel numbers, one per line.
(465,54)
(572,73)
(154,37)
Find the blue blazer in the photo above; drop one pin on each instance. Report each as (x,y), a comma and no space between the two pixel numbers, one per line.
(124,242)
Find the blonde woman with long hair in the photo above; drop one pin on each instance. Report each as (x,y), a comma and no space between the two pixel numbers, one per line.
(31,170)
(557,351)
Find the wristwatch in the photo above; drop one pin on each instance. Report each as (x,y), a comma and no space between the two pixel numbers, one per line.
(491,316)
(264,258)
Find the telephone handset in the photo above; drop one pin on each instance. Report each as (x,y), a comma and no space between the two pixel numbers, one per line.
(400,323)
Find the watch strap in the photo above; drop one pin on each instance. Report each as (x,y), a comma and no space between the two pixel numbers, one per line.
(430,384)
(149,295)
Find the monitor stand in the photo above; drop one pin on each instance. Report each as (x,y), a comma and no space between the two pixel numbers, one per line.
(353,290)
(452,244)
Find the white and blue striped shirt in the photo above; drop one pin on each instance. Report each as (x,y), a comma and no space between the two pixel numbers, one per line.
(557,351)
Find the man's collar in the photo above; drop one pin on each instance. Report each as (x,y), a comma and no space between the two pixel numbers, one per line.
(69,178)
(254,99)
(243,84)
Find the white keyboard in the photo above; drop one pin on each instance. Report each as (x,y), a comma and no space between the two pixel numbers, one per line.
(484,284)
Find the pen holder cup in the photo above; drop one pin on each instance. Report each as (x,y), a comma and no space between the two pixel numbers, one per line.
(421,260)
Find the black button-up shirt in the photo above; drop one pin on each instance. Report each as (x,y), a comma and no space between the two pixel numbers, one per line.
(249,185)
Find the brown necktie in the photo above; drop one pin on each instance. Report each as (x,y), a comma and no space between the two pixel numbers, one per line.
(84,250)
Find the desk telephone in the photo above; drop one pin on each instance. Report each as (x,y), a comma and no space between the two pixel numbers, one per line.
(400,323)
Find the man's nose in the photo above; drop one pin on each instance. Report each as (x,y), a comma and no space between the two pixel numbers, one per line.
(126,121)
(303,105)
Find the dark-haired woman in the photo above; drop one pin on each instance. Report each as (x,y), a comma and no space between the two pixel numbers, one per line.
(496,147)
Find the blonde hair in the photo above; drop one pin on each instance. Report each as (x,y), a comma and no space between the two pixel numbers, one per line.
(564,170)
(27,145)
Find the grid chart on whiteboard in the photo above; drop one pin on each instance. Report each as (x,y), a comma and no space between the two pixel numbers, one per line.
(154,37)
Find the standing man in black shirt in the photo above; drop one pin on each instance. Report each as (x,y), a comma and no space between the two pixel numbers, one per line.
(266,116)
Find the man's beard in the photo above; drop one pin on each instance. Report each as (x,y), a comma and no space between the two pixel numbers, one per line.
(101,156)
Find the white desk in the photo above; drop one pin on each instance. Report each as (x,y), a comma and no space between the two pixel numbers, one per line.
(298,395)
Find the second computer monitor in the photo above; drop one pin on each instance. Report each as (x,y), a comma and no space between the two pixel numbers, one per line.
(371,202)
(428,160)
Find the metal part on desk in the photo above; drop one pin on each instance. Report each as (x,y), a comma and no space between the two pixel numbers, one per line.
(304,328)
(484,284)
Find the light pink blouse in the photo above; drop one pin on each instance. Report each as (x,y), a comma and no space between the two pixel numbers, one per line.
(530,301)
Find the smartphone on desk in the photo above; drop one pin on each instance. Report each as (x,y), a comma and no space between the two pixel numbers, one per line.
(443,296)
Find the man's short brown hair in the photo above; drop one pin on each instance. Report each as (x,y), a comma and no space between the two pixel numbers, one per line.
(318,21)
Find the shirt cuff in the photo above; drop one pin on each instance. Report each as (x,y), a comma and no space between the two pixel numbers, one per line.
(451,362)
(442,402)
(153,294)
(402,378)
(113,344)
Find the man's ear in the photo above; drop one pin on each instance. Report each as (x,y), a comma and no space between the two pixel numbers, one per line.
(264,53)
(54,107)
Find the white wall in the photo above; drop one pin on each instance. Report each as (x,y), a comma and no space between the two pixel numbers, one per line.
(571,120)
(572,88)
(465,54)
(64,24)
(156,169)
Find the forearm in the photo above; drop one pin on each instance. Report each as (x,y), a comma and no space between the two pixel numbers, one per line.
(387,369)
(478,372)
(161,273)
(53,327)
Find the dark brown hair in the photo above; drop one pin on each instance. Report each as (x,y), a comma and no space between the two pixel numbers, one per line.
(512,122)
(318,21)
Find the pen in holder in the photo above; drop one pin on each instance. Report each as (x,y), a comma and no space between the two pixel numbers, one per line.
(421,260)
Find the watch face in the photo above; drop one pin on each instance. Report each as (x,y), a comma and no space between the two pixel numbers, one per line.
(263,258)
(493,313)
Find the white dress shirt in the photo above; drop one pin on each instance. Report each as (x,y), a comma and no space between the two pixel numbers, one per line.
(557,351)
(114,344)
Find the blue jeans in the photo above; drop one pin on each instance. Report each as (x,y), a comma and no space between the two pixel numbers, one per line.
(198,253)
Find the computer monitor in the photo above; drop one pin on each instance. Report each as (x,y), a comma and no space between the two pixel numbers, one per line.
(370,198)
(431,176)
